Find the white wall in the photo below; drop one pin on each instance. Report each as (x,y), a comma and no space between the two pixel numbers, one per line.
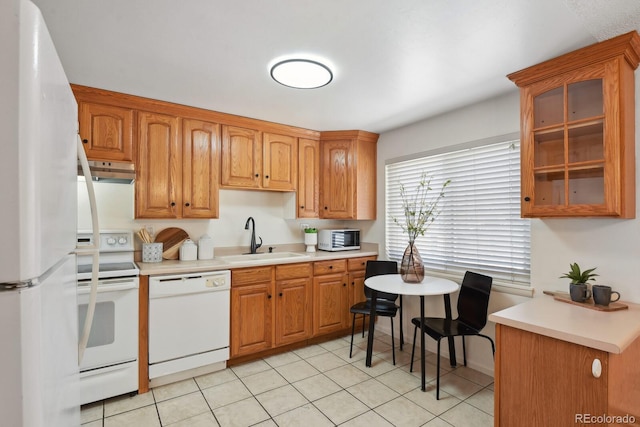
(611,245)
(116,211)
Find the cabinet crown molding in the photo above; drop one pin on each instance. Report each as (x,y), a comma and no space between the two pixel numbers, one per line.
(625,45)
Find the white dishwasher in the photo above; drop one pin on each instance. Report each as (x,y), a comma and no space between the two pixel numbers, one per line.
(188,321)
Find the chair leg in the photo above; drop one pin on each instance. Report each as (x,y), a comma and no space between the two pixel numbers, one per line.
(464,352)
(393,345)
(493,346)
(401,326)
(413,350)
(353,329)
(438,374)
(364,322)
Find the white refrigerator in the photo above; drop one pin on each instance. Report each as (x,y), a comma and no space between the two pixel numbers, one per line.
(38,184)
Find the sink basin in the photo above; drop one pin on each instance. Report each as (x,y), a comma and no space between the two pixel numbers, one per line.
(264,258)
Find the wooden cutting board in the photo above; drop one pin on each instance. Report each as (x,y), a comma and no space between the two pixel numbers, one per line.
(171,239)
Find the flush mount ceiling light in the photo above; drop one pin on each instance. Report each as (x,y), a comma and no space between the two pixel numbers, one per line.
(301,73)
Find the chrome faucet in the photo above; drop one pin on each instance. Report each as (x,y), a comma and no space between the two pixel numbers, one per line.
(254,247)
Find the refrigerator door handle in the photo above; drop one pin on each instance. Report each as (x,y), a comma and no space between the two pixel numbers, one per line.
(93,249)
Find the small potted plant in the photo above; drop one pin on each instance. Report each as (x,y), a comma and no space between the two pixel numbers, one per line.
(311,239)
(578,289)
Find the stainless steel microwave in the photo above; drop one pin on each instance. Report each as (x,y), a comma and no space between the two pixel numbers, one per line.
(345,239)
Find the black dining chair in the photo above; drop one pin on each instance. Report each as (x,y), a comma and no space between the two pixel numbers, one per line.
(385,304)
(473,306)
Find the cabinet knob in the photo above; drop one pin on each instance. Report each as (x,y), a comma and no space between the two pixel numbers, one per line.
(85,141)
(326,208)
(269,296)
(280,294)
(331,267)
(266,176)
(596,368)
(527,199)
(257,175)
(301,207)
(173,203)
(353,283)
(344,285)
(187,204)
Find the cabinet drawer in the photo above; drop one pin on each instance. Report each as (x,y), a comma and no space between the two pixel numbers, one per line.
(293,271)
(327,267)
(356,264)
(245,276)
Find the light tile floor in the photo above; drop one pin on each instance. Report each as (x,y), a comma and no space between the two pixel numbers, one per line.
(313,386)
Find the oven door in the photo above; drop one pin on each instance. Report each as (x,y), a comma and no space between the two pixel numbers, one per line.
(114,332)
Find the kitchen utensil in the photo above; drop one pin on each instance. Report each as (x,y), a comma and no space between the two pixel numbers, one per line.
(172,239)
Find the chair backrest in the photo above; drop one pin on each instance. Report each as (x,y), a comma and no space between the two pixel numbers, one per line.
(377,268)
(473,301)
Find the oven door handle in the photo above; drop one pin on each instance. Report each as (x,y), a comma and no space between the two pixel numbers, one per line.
(124,286)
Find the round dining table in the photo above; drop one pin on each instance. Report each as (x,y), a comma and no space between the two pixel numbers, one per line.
(393,283)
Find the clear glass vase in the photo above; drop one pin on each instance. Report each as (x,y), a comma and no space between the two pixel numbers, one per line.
(412,268)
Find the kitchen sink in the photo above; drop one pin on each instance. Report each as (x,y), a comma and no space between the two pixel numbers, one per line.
(264,258)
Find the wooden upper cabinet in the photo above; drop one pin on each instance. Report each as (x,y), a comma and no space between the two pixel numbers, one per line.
(241,157)
(159,174)
(255,160)
(348,184)
(280,162)
(308,194)
(200,168)
(578,132)
(106,131)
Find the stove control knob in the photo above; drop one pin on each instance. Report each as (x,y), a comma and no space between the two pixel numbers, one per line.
(122,240)
(111,241)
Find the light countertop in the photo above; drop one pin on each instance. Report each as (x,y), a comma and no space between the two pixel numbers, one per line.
(610,331)
(218,263)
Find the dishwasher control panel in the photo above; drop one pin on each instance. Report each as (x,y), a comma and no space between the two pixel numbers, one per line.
(216,281)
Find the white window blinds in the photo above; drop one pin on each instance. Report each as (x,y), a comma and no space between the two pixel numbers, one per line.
(479,227)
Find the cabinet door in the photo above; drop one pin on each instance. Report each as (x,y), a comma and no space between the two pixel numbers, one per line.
(337,191)
(106,132)
(546,381)
(308,195)
(200,154)
(330,303)
(293,310)
(241,157)
(159,176)
(251,317)
(356,293)
(279,162)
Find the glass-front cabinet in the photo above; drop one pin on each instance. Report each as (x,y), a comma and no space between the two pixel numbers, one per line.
(577,131)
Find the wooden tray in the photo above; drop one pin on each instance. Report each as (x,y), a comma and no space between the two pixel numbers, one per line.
(614,306)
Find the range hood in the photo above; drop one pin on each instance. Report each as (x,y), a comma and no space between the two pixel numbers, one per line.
(113,172)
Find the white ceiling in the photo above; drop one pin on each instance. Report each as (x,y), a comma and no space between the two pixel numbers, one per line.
(395,62)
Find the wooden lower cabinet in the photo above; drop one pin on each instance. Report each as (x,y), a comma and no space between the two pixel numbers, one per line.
(543,381)
(275,306)
(251,310)
(293,303)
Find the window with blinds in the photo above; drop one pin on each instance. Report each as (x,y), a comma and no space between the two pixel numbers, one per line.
(479,226)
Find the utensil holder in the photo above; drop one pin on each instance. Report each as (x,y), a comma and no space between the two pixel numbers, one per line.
(152,252)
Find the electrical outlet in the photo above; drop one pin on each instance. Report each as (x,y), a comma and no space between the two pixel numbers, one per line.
(304,226)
